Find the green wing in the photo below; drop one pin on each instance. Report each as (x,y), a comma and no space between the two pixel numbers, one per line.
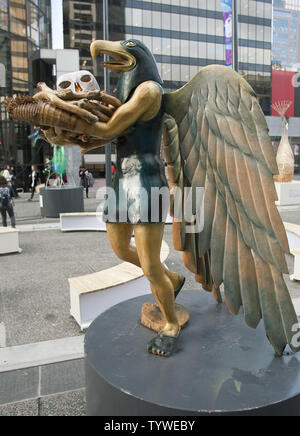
(216,137)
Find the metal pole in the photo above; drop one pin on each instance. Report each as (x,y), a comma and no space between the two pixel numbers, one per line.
(107,89)
(235,36)
(2,76)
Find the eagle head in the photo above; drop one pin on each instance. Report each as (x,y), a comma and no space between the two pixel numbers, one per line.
(132,59)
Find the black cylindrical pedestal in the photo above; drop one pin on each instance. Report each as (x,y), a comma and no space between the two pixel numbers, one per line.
(222,367)
(55,201)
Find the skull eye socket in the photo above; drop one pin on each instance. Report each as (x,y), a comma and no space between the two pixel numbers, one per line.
(86,78)
(65,85)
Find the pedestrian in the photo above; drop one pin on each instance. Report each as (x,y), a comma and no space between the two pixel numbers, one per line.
(81,175)
(6,204)
(86,182)
(13,182)
(6,173)
(34,181)
(91,179)
(57,180)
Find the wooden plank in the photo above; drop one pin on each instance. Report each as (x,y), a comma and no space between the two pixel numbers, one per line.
(292,228)
(115,276)
(96,214)
(5,230)
(153,319)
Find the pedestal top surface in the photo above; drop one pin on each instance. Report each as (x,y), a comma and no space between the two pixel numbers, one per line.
(221,364)
(293,182)
(64,188)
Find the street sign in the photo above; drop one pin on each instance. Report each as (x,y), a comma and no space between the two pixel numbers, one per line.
(2,76)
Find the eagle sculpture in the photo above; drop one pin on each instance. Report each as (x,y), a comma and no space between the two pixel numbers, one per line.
(215,138)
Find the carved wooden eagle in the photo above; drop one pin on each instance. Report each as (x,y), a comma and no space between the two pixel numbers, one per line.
(216,137)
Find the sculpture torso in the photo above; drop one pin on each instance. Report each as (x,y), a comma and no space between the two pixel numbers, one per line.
(139,168)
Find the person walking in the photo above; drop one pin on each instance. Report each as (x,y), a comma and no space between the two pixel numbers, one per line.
(6,174)
(13,182)
(86,183)
(91,180)
(34,181)
(81,175)
(84,180)
(6,204)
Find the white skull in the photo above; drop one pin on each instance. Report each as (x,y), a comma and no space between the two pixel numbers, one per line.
(79,81)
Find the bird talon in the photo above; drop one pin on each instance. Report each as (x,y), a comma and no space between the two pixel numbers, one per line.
(162,345)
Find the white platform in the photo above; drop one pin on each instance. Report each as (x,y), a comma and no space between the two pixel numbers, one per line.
(288,193)
(9,240)
(293,233)
(296,302)
(93,294)
(296,275)
(86,221)
(72,222)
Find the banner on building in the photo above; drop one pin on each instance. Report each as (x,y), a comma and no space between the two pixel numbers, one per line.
(228,30)
(286,87)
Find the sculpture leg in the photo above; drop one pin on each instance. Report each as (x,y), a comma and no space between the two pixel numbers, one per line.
(148,240)
(119,236)
(146,255)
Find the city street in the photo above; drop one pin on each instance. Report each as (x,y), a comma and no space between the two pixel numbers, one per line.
(35,305)
(206,93)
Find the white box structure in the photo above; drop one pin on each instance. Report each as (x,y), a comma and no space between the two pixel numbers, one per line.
(293,234)
(75,222)
(296,275)
(296,302)
(87,221)
(93,294)
(288,193)
(9,240)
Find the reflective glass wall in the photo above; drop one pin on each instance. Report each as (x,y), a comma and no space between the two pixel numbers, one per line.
(286,35)
(186,35)
(255,47)
(83,22)
(25,26)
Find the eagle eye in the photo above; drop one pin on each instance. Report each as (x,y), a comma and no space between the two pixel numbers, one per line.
(130,44)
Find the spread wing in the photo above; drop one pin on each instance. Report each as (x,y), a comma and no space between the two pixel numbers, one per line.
(216,137)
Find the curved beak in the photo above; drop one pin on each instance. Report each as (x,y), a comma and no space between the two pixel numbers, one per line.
(122,60)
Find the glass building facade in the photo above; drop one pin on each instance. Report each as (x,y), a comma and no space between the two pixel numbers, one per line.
(24,28)
(83,23)
(184,35)
(286,34)
(291,4)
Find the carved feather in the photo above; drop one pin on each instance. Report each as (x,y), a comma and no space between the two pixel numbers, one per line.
(225,148)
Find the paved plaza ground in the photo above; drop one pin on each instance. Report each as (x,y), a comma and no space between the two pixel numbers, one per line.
(35,305)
